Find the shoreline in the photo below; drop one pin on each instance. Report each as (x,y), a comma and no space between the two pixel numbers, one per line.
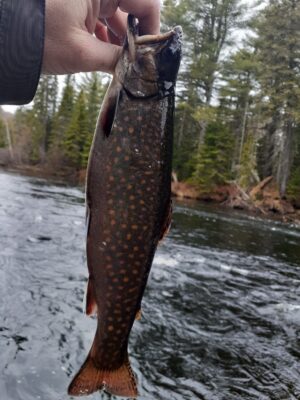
(262,200)
(229,197)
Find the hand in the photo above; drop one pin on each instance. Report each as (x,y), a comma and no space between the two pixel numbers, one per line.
(85,35)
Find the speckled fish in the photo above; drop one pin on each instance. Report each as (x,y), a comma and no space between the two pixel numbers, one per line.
(128,201)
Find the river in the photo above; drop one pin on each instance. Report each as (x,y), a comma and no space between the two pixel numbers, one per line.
(221,313)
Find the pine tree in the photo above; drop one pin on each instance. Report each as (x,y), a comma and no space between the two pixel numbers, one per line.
(61,123)
(44,109)
(238,107)
(95,90)
(278,51)
(77,133)
(207,26)
(213,165)
(293,189)
(2,134)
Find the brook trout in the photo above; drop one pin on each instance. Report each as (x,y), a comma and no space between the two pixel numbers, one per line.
(128,198)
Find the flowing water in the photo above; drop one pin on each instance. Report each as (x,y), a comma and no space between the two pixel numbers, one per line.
(221,313)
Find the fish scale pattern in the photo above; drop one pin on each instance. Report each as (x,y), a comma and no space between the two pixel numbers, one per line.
(134,191)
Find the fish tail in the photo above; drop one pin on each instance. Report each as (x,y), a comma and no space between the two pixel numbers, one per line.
(89,379)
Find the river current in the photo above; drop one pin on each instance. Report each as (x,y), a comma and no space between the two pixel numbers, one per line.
(221,312)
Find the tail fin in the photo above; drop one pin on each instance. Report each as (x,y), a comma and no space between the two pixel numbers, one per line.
(90,379)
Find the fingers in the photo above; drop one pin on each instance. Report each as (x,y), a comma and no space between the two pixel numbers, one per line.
(95,54)
(117,24)
(113,39)
(147,12)
(101,32)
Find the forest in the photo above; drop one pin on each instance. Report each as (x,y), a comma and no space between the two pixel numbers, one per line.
(237,108)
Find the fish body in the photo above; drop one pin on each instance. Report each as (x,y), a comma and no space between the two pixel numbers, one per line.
(128,199)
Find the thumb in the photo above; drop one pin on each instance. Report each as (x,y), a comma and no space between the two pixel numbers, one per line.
(95,55)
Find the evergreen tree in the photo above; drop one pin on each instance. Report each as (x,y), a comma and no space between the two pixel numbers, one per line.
(207,26)
(44,108)
(77,133)
(61,122)
(278,51)
(293,189)
(214,159)
(2,134)
(95,90)
(238,106)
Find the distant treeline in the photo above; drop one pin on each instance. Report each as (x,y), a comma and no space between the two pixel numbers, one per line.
(238,102)
(57,132)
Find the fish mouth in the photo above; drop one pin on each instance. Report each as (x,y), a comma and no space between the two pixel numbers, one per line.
(162,37)
(166,49)
(174,35)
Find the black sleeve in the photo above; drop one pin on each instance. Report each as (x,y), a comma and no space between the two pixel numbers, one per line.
(22,28)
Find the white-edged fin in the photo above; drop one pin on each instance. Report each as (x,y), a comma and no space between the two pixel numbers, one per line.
(91,307)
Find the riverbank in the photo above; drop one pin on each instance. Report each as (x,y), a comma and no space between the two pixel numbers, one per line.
(264,199)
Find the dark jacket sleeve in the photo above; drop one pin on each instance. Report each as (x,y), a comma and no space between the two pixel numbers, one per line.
(22,27)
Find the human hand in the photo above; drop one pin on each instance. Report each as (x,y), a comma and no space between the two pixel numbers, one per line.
(85,35)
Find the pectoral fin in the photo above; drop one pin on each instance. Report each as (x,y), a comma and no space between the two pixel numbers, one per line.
(109,108)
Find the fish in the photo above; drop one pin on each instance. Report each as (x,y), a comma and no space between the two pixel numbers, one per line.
(128,201)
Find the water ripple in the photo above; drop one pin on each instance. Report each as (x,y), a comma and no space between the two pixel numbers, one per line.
(221,313)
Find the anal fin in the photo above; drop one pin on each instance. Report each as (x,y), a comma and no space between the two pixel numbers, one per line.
(138,315)
(91,305)
(167,223)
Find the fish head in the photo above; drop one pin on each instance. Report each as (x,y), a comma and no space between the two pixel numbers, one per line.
(149,64)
